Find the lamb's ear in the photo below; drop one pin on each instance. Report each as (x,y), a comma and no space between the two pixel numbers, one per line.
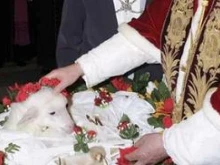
(29,116)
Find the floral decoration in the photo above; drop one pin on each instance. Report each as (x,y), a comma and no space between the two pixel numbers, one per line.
(161,100)
(19,93)
(122,160)
(127,130)
(10,149)
(103,98)
(120,84)
(83,137)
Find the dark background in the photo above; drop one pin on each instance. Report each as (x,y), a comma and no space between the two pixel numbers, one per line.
(28,63)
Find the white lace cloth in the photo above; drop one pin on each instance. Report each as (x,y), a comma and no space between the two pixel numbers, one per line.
(44,150)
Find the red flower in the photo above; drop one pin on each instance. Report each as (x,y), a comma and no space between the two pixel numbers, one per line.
(6,101)
(98,101)
(21,96)
(168,105)
(120,84)
(215,100)
(49,82)
(2,157)
(77,129)
(122,160)
(167,122)
(122,125)
(91,134)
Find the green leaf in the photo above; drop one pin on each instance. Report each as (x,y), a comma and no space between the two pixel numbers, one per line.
(124,118)
(164,91)
(77,147)
(155,95)
(110,88)
(156,122)
(85,148)
(12,148)
(2,108)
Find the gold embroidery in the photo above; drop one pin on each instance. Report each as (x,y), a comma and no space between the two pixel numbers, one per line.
(181,107)
(208,62)
(181,14)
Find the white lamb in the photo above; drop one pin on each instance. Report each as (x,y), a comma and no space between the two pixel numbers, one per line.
(44,113)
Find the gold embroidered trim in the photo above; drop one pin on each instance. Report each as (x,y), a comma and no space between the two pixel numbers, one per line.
(181,14)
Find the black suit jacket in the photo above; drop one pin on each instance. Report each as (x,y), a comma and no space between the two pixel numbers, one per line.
(85,24)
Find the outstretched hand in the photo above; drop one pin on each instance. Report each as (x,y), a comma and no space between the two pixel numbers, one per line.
(150,150)
(67,76)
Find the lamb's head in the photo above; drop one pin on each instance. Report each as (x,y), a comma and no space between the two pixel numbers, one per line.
(44,113)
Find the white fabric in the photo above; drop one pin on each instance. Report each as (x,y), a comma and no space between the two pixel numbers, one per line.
(127,103)
(195,141)
(126,15)
(124,55)
(46,150)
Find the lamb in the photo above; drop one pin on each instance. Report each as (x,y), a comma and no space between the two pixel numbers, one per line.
(43,113)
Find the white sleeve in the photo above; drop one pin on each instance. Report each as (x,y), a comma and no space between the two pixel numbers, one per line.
(121,53)
(195,141)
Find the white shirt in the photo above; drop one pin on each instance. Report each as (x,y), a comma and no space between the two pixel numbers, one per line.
(127,9)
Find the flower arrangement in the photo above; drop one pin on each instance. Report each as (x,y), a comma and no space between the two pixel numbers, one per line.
(161,100)
(83,137)
(19,93)
(127,130)
(103,98)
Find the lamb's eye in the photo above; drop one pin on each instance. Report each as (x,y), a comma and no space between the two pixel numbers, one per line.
(52,113)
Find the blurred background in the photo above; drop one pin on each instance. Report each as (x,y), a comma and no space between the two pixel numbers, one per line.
(28,39)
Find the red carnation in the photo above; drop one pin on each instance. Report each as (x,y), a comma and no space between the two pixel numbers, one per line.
(168,105)
(6,101)
(21,96)
(91,134)
(2,157)
(120,84)
(122,160)
(77,129)
(167,122)
(215,100)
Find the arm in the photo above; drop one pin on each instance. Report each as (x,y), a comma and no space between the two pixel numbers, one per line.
(136,43)
(196,140)
(70,33)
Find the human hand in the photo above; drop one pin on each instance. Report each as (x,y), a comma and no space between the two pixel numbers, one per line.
(67,76)
(149,150)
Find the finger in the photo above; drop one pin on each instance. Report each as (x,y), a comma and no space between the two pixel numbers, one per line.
(132,156)
(51,75)
(61,86)
(139,163)
(139,142)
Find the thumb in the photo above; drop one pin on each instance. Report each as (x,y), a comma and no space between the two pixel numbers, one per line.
(132,156)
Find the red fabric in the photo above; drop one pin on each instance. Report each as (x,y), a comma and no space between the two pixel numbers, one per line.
(150,23)
(215,100)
